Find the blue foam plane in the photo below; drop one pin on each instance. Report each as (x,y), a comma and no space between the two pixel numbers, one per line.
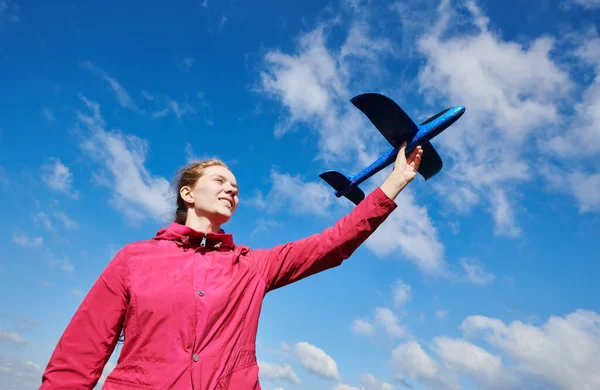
(393,123)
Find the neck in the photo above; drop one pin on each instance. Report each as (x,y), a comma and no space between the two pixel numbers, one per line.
(201,224)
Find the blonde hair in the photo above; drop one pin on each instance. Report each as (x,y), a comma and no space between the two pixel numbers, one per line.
(187,176)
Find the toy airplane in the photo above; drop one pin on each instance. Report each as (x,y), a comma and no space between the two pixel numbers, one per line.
(393,123)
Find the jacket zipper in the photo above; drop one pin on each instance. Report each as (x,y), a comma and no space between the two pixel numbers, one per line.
(203,243)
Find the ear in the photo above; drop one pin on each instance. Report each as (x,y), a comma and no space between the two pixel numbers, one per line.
(187,194)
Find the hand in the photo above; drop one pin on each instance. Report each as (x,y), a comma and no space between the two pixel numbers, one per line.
(405,167)
(405,170)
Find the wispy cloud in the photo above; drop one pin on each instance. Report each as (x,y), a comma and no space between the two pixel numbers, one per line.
(384,318)
(589,4)
(48,114)
(25,240)
(12,337)
(16,373)
(58,177)
(66,221)
(136,193)
(186,64)
(62,263)
(164,105)
(474,272)
(42,220)
(307,198)
(123,97)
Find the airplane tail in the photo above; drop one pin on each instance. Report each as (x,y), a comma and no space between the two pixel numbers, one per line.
(340,182)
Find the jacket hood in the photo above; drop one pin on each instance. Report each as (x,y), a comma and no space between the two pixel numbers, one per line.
(186,236)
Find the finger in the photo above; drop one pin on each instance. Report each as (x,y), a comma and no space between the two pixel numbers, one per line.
(417,162)
(414,153)
(401,157)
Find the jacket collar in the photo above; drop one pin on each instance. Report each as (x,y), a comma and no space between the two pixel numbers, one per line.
(186,236)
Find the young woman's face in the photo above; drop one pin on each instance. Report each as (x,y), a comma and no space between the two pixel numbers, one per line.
(215,194)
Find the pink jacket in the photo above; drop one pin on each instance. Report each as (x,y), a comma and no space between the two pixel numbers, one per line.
(189,304)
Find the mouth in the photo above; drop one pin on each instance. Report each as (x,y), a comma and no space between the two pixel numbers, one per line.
(227,202)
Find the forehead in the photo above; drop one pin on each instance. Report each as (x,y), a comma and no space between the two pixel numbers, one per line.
(219,171)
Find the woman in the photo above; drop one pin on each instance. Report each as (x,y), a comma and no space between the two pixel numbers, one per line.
(188,300)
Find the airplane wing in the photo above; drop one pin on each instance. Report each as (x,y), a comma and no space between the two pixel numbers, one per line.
(431,163)
(391,121)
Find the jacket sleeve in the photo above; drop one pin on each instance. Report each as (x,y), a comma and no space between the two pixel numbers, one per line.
(92,334)
(293,261)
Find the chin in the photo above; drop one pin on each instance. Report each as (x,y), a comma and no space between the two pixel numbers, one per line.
(223,217)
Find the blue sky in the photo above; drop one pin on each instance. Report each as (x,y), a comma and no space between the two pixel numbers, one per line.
(484,277)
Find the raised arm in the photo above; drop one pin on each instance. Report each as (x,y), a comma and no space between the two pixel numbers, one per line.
(93,332)
(288,263)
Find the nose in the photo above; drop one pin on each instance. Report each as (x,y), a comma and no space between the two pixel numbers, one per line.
(230,189)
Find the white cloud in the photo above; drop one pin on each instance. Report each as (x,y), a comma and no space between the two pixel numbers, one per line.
(589,4)
(58,177)
(12,337)
(441,314)
(471,360)
(410,231)
(389,321)
(166,105)
(312,85)
(402,293)
(362,327)
(342,386)
(76,293)
(123,97)
(273,371)
(25,240)
(369,382)
(506,104)
(503,215)
(187,63)
(577,146)
(583,186)
(48,114)
(563,351)
(135,191)
(317,361)
(42,220)
(67,222)
(62,263)
(303,198)
(19,374)
(474,272)
(410,360)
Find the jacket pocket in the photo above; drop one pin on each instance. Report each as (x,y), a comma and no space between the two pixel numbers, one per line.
(243,378)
